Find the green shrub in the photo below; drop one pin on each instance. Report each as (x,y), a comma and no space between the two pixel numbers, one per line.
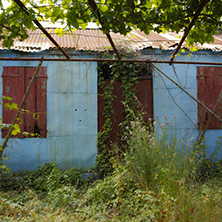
(118,198)
(45,179)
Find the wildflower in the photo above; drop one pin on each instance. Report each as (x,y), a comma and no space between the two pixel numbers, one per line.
(149,119)
(125,137)
(154,123)
(137,118)
(132,123)
(167,122)
(174,116)
(127,127)
(138,136)
(162,124)
(151,138)
(156,116)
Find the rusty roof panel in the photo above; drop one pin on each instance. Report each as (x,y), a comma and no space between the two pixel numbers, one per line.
(95,40)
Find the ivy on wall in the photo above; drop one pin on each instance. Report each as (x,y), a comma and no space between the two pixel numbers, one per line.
(108,74)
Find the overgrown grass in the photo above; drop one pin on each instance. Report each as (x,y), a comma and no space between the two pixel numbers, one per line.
(159,178)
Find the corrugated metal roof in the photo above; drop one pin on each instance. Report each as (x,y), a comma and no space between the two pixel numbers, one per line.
(214,46)
(95,40)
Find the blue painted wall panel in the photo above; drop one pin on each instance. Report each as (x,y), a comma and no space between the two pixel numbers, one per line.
(26,153)
(72,77)
(79,116)
(69,151)
(212,137)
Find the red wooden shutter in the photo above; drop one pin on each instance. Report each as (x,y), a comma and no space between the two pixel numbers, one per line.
(209,87)
(42,101)
(13,86)
(30,103)
(34,117)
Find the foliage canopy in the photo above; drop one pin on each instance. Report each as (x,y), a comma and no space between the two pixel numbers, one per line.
(117,15)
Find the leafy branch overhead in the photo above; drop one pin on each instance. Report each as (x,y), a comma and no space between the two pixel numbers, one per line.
(119,16)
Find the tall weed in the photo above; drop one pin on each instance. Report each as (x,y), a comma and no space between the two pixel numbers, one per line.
(159,160)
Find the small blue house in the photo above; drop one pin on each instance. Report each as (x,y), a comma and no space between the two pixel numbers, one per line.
(66,93)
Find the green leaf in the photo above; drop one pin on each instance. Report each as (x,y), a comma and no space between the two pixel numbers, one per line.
(7,98)
(11,106)
(16,130)
(59,31)
(193,49)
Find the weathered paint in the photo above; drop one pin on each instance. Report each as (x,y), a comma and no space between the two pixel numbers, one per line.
(185,75)
(71,119)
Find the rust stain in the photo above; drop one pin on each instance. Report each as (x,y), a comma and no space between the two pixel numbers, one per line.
(86,77)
